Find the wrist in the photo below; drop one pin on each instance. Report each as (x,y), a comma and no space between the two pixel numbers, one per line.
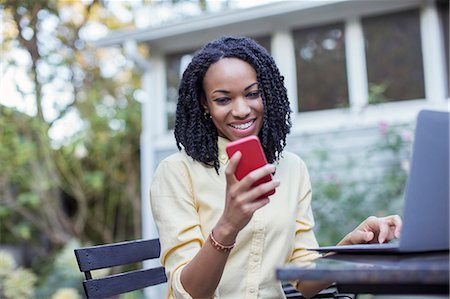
(225,233)
(219,246)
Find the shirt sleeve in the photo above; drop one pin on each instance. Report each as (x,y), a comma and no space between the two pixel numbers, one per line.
(304,233)
(177,220)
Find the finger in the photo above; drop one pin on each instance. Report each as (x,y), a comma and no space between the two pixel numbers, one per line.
(257,204)
(368,236)
(232,165)
(390,235)
(359,237)
(257,174)
(258,191)
(398,224)
(383,227)
(395,226)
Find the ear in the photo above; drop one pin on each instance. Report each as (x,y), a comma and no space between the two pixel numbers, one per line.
(203,103)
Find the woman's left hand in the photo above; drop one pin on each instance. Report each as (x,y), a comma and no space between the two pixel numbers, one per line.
(374,230)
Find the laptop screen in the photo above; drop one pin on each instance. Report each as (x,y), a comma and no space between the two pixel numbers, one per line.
(426,212)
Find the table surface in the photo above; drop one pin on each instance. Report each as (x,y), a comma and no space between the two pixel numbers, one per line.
(377,274)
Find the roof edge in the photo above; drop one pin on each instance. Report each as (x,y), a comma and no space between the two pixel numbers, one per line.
(210,20)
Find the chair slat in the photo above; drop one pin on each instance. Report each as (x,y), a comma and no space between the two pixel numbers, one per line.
(110,255)
(329,293)
(122,253)
(124,282)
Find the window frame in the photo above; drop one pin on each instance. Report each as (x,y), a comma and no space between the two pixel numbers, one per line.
(361,114)
(304,89)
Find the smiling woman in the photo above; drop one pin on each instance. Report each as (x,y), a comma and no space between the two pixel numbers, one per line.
(244,55)
(222,237)
(232,98)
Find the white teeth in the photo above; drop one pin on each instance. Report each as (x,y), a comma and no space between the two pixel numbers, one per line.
(242,126)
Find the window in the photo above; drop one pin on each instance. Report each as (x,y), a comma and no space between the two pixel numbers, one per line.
(394,57)
(175,65)
(443,10)
(321,68)
(263,41)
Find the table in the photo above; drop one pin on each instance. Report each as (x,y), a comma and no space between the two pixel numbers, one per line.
(426,273)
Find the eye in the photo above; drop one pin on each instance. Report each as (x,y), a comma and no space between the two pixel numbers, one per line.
(222,101)
(253,94)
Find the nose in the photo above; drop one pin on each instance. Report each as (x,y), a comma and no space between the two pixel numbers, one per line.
(241,109)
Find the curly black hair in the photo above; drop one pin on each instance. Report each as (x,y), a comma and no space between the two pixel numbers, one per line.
(197,134)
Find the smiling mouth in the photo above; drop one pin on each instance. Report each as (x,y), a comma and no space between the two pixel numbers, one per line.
(242,126)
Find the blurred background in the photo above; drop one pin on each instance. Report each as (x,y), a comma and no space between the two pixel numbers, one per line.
(87,102)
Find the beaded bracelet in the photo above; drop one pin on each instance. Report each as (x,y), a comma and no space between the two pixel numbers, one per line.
(219,246)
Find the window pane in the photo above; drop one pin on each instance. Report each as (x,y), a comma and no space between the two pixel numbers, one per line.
(394,57)
(442,6)
(263,41)
(321,68)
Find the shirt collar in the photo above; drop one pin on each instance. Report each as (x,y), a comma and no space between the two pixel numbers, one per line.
(222,143)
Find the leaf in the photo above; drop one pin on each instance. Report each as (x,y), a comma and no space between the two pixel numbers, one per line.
(29,199)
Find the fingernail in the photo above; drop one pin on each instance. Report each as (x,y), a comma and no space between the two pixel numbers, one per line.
(271,167)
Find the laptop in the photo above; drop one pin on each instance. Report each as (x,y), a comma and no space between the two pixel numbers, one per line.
(426,205)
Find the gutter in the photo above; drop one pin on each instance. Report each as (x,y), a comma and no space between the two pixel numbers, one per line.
(213,20)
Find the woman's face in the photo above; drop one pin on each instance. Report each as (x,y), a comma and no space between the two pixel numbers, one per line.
(233,98)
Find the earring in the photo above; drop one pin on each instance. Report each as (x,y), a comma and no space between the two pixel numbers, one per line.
(206,115)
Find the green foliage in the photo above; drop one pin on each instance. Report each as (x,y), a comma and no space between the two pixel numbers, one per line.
(64,276)
(66,293)
(63,281)
(377,93)
(15,282)
(341,201)
(28,199)
(85,185)
(133,295)
(16,155)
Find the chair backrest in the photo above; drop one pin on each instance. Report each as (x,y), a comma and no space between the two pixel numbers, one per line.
(119,254)
(129,252)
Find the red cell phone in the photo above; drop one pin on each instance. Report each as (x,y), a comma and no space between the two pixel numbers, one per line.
(252,158)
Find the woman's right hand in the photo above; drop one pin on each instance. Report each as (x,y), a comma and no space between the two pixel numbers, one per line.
(242,200)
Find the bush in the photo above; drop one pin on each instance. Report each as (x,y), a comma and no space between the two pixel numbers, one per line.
(59,280)
(343,199)
(15,282)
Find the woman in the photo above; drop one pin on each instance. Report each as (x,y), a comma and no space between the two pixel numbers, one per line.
(217,238)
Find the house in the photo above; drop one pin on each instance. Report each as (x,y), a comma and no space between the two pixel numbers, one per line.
(348,64)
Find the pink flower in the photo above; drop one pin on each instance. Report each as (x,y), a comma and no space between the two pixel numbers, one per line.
(406,135)
(330,177)
(383,127)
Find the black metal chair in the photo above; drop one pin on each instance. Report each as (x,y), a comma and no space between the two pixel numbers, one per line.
(130,252)
(329,293)
(119,254)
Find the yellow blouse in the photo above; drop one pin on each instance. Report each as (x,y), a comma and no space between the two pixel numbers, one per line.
(187,200)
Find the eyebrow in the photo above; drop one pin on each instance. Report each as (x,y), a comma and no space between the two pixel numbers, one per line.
(251,85)
(225,91)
